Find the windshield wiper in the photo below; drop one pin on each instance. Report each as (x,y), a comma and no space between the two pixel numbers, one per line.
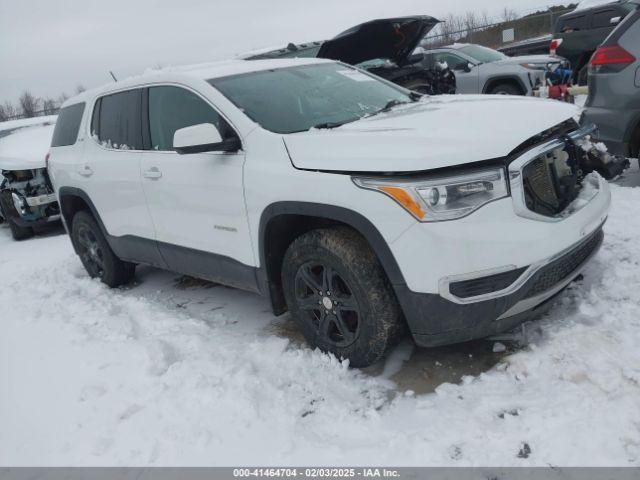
(334,124)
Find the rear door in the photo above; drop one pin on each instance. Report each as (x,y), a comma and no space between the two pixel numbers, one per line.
(196,200)
(111,172)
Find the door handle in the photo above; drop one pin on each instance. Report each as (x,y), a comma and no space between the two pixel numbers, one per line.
(85,171)
(153,173)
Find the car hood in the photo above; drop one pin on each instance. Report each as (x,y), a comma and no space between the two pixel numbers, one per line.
(392,38)
(12,163)
(433,133)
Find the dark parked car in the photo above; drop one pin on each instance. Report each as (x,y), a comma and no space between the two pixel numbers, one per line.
(577,34)
(614,87)
(383,47)
(530,46)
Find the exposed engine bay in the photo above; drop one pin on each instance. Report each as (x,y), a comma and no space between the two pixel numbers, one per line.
(558,179)
(27,200)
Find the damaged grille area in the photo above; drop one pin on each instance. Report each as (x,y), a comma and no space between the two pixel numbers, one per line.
(560,269)
(484,285)
(552,181)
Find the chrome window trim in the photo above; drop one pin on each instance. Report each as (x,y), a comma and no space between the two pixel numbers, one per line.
(515,174)
(444,283)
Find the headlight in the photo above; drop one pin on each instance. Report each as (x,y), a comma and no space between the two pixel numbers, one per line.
(535,66)
(433,199)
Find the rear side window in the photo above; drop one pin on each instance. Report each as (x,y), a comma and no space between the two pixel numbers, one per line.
(573,23)
(603,18)
(67,126)
(173,108)
(117,120)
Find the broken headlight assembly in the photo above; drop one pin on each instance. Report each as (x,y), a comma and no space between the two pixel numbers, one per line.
(439,198)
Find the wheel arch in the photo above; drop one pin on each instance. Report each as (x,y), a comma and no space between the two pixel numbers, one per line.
(282,222)
(72,200)
(492,82)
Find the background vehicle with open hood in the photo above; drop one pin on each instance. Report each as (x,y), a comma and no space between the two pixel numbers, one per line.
(385,47)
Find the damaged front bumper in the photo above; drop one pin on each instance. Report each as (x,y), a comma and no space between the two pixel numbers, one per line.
(27,198)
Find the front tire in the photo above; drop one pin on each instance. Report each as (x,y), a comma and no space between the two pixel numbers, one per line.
(339,295)
(506,89)
(96,254)
(9,212)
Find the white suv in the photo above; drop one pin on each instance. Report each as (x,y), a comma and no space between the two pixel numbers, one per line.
(353,203)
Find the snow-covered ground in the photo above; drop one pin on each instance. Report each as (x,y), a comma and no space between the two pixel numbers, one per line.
(171,371)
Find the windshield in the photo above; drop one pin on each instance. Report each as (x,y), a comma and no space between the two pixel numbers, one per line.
(483,54)
(295,99)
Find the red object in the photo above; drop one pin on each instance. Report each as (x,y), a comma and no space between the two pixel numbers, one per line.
(553,46)
(558,92)
(614,55)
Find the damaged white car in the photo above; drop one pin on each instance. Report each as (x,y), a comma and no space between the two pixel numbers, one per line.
(27,200)
(363,208)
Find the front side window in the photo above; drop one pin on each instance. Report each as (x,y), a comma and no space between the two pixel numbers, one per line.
(453,61)
(295,99)
(172,108)
(117,120)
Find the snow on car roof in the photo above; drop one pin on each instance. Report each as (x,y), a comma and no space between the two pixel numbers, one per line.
(203,71)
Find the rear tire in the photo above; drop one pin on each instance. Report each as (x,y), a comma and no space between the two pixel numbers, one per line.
(339,296)
(505,89)
(96,254)
(419,86)
(634,145)
(9,212)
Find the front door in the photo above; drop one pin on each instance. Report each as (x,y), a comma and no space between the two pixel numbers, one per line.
(196,200)
(466,81)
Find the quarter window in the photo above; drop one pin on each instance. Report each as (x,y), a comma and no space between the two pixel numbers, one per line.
(67,126)
(172,108)
(116,121)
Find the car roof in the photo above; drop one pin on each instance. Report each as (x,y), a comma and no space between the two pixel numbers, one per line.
(200,71)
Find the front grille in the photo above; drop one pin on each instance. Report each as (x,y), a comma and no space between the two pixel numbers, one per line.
(483,285)
(560,269)
(551,181)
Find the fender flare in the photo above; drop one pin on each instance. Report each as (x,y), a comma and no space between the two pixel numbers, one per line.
(331,212)
(79,193)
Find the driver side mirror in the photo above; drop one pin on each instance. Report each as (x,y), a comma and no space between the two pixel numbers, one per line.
(464,67)
(203,137)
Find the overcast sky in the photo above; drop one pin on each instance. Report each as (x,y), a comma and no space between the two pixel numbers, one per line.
(51,46)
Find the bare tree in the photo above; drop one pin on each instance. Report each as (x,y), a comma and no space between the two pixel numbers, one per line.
(28,104)
(49,106)
(508,15)
(80,88)
(7,111)
(62,98)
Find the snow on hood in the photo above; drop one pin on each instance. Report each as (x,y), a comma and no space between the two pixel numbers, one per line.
(433,133)
(392,38)
(25,148)
(530,59)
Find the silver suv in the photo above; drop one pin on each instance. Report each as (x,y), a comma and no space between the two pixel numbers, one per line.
(480,69)
(614,88)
